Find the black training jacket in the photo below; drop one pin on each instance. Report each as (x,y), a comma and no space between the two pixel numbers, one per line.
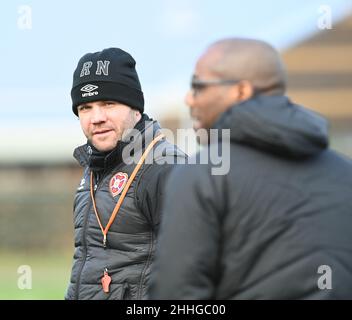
(277,225)
(132,237)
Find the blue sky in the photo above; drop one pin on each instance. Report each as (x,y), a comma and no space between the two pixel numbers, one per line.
(165,37)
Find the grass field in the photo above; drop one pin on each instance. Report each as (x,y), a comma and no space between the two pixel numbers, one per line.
(50,275)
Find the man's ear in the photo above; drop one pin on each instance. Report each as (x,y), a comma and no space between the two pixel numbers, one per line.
(138,115)
(245,90)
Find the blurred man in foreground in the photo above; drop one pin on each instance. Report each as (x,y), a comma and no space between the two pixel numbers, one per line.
(278,224)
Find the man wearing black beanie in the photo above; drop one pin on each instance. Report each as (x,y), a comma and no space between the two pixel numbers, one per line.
(117,204)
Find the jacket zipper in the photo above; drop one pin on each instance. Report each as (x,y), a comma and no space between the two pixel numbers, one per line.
(84,232)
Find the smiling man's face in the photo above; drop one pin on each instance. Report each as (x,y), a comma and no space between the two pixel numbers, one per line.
(104,122)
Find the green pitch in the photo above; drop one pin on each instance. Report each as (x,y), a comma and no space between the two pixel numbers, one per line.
(49,275)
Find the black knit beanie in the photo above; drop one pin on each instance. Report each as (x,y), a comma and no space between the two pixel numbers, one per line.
(107,75)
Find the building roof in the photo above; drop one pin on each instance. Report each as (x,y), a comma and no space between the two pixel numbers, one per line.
(320,71)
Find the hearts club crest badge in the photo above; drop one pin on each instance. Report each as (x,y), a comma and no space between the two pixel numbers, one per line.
(117,183)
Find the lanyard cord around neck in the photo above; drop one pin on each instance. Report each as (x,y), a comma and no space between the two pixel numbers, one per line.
(123,194)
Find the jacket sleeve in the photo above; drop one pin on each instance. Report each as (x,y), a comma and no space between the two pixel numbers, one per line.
(186,264)
(150,192)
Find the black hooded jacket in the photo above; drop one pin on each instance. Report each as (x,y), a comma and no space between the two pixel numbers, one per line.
(277,225)
(132,236)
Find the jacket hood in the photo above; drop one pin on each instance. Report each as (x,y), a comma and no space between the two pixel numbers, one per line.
(274,124)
